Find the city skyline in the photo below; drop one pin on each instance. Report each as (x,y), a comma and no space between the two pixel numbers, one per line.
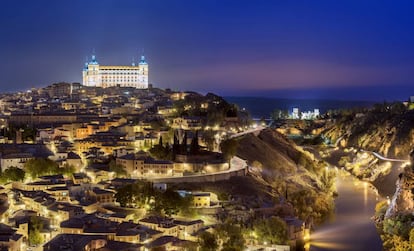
(341,50)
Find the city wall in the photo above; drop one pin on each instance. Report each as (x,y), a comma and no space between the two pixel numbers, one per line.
(205,177)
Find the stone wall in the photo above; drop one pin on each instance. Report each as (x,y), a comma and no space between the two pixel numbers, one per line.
(205,177)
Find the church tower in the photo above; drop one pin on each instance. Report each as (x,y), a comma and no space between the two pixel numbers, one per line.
(143,69)
(91,75)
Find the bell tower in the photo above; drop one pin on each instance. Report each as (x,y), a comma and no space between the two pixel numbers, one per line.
(143,70)
(91,76)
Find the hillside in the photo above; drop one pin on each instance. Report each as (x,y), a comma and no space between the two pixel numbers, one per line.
(387,129)
(281,175)
(278,162)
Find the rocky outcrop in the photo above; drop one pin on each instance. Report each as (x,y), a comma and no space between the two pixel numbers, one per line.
(402,201)
(278,159)
(387,131)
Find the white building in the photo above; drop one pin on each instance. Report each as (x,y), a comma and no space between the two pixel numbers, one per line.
(109,75)
(14,159)
(295,113)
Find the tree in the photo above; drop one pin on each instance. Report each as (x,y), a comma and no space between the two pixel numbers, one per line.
(208,242)
(194,147)
(12,174)
(142,194)
(160,151)
(231,236)
(176,145)
(135,195)
(125,195)
(273,230)
(395,243)
(41,166)
(209,139)
(167,202)
(35,227)
(118,169)
(170,202)
(412,238)
(381,208)
(183,146)
(28,133)
(229,148)
(68,169)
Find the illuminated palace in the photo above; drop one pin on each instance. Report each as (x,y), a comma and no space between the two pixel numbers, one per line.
(119,75)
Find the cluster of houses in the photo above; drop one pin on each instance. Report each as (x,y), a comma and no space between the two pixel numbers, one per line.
(75,124)
(77,212)
(85,127)
(81,127)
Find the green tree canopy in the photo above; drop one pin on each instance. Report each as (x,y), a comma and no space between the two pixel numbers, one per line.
(35,227)
(229,148)
(231,236)
(195,147)
(161,151)
(272,230)
(12,174)
(208,242)
(135,195)
(143,195)
(170,202)
(41,166)
(68,169)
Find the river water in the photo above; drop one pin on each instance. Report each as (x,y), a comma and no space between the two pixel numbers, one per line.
(351,227)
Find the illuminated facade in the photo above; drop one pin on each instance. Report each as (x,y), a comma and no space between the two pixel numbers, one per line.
(108,75)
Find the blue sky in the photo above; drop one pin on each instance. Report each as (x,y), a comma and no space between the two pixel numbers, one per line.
(317,49)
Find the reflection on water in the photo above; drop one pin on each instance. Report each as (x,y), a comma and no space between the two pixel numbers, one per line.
(351,228)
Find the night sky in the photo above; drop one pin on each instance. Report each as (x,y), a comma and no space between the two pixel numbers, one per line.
(303,49)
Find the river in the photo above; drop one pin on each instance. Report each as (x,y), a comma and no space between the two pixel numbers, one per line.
(351,227)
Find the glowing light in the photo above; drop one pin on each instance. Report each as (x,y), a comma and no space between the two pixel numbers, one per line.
(306,235)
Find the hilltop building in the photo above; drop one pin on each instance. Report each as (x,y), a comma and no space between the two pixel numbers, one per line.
(96,75)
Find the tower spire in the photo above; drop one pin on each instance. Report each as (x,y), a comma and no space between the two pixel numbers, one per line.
(142,61)
(86,63)
(93,59)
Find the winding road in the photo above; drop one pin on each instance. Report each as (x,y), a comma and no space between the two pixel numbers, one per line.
(253,130)
(379,156)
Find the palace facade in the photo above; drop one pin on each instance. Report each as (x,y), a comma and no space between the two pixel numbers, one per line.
(97,75)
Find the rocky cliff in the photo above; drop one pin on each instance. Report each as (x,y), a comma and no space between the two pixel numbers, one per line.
(395,218)
(387,129)
(275,157)
(402,202)
(292,173)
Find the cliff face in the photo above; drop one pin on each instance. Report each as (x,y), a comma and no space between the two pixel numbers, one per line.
(292,174)
(402,201)
(386,130)
(276,159)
